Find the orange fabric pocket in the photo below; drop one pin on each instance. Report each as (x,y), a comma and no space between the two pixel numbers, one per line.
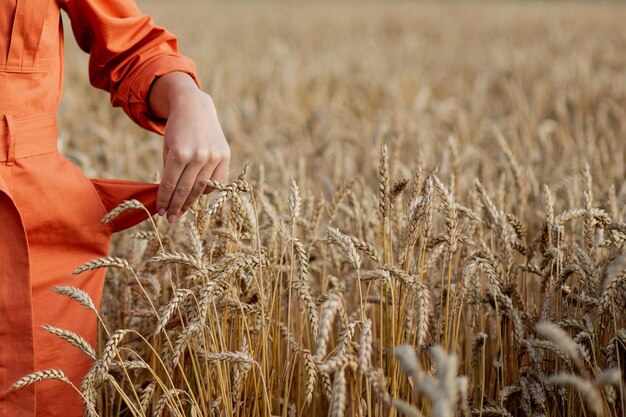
(113,192)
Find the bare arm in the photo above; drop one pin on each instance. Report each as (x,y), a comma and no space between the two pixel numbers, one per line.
(194,147)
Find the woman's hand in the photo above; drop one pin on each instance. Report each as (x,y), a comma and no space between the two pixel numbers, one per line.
(194,148)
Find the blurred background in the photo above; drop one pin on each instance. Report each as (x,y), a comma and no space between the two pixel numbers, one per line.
(310,89)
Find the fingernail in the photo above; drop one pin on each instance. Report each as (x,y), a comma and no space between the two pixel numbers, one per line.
(161,212)
(172,218)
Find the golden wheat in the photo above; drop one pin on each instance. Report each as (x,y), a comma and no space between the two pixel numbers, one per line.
(432,221)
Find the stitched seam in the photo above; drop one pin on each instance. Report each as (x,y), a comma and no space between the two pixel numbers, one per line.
(28,69)
(33,155)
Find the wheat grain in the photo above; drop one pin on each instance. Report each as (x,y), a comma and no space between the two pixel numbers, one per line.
(228,357)
(340,395)
(147,396)
(346,244)
(589,393)
(329,309)
(109,261)
(125,206)
(562,340)
(365,346)
(77,295)
(187,334)
(48,374)
(407,409)
(295,203)
(180,258)
(489,411)
(102,365)
(179,296)
(72,338)
(383,182)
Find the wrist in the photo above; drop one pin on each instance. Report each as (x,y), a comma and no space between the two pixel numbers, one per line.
(168,91)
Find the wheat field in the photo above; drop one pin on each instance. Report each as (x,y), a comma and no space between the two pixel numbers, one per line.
(425,217)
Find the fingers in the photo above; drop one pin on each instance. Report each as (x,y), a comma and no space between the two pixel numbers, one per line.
(219,173)
(181,185)
(186,185)
(197,188)
(175,164)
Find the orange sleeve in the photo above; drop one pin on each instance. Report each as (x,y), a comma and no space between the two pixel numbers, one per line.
(127,53)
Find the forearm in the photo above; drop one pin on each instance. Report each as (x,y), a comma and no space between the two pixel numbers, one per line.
(168,90)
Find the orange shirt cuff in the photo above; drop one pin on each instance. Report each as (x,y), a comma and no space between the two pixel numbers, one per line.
(135,90)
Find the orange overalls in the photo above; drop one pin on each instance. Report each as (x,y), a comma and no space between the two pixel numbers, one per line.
(49,211)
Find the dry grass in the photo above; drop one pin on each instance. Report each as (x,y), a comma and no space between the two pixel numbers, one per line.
(432,222)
